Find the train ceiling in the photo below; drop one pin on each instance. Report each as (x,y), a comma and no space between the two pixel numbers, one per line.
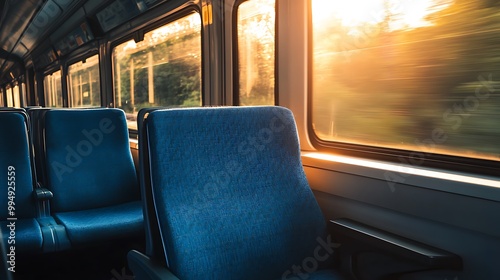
(55,28)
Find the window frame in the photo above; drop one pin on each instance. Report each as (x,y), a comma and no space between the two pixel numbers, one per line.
(411,158)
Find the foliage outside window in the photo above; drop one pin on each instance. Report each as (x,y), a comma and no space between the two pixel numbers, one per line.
(84,83)
(256,52)
(162,70)
(414,75)
(53,89)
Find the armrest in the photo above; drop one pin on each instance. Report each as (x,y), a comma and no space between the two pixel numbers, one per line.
(43,194)
(146,269)
(423,254)
(42,197)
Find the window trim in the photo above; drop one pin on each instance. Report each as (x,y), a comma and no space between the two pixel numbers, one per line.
(410,158)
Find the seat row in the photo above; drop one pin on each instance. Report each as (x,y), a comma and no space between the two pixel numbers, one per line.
(223,190)
(68,177)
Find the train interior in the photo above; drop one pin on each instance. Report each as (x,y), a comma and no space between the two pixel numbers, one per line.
(249,139)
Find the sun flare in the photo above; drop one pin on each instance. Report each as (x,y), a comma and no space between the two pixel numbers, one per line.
(402,14)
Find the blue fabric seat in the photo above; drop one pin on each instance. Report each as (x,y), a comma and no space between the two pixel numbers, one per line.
(89,169)
(230,198)
(16,172)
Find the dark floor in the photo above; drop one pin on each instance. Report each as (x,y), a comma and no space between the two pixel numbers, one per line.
(104,262)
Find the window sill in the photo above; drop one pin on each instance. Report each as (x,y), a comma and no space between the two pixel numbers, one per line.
(453,182)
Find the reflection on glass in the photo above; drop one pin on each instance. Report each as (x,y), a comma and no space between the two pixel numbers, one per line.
(84,83)
(256,25)
(53,89)
(162,70)
(417,75)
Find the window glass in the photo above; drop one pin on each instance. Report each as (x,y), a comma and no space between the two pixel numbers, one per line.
(256,51)
(24,94)
(84,83)
(53,89)
(17,96)
(162,70)
(10,98)
(414,75)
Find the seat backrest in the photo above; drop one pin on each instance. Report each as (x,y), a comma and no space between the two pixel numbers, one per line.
(15,165)
(88,159)
(230,194)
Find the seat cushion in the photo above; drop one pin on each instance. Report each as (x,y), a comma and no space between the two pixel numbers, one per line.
(28,236)
(101,224)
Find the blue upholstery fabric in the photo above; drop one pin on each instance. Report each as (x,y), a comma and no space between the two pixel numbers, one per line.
(84,227)
(15,152)
(230,193)
(92,175)
(89,164)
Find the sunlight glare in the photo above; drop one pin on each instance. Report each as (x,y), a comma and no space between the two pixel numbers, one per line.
(403,14)
(350,13)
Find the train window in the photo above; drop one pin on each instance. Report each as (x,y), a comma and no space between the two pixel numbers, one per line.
(256,52)
(53,89)
(17,96)
(84,83)
(10,97)
(2,96)
(162,70)
(407,75)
